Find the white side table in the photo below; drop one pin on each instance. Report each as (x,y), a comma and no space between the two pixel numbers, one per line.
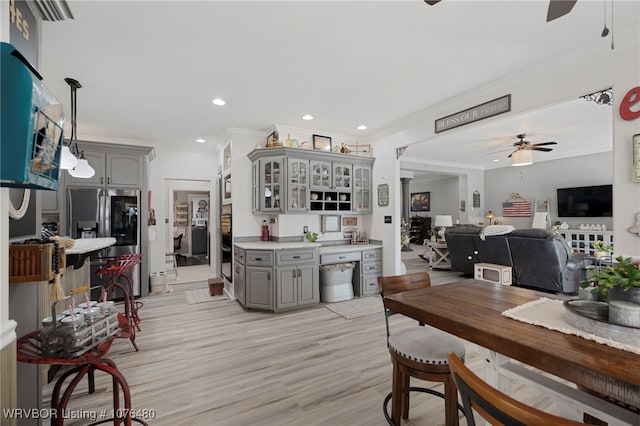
(438,255)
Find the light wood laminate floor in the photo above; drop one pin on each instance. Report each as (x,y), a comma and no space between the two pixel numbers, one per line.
(216,364)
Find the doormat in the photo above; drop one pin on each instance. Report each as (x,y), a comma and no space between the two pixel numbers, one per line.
(191,260)
(201,295)
(358,307)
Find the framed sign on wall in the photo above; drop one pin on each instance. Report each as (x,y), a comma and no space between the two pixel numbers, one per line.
(383,195)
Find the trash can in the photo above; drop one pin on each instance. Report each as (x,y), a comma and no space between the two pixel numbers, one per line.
(158,282)
(336,282)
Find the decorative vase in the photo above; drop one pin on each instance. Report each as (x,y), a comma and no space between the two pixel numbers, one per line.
(617,293)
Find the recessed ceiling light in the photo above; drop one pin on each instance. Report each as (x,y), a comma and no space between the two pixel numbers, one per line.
(361,127)
(218,101)
(495,160)
(200,140)
(307,117)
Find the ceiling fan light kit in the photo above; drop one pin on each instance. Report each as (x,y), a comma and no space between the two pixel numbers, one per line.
(522,157)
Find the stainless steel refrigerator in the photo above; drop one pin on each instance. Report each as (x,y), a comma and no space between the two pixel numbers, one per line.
(99,213)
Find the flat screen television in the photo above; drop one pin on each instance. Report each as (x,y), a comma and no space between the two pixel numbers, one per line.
(585,201)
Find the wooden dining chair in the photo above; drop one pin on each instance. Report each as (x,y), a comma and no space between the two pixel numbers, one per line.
(493,405)
(419,352)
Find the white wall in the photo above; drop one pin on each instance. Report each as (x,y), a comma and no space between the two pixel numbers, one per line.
(566,77)
(195,166)
(444,195)
(540,180)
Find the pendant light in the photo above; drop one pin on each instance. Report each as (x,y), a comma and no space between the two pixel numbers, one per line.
(82,168)
(67,159)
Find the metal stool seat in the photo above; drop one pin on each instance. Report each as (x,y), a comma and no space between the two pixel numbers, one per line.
(29,350)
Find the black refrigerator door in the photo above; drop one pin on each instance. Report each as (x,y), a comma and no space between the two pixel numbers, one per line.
(121,216)
(85,208)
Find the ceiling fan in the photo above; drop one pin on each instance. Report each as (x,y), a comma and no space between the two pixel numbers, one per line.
(523,145)
(557,8)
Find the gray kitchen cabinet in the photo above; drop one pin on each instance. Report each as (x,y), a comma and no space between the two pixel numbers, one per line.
(270,198)
(259,279)
(313,181)
(361,188)
(259,287)
(50,201)
(276,279)
(298,185)
(367,273)
(297,278)
(113,170)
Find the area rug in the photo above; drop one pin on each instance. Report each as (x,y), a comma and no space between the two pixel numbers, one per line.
(358,307)
(201,295)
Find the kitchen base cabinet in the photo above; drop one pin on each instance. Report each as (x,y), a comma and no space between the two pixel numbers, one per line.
(368,272)
(259,287)
(276,280)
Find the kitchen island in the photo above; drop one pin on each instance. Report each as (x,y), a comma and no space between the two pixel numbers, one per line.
(278,276)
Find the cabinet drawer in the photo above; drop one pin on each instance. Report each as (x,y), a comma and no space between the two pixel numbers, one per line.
(239,255)
(259,258)
(371,255)
(292,257)
(371,268)
(327,259)
(370,285)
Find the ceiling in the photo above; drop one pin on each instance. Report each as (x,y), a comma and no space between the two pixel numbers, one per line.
(150,69)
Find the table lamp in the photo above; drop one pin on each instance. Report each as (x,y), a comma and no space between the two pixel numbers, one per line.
(490,216)
(442,221)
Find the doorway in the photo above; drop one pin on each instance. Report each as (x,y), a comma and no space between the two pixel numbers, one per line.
(189,208)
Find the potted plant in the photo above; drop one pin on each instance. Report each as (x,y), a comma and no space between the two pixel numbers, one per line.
(601,249)
(620,281)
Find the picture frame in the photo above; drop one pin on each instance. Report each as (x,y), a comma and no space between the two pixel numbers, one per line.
(349,221)
(272,139)
(420,201)
(331,223)
(322,143)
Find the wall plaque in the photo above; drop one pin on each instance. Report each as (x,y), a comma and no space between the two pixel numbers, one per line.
(476,113)
(383,195)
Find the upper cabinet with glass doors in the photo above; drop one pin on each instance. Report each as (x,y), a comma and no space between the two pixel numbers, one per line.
(298,180)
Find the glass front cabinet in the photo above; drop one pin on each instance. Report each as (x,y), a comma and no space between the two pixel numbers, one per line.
(298,185)
(297,181)
(362,188)
(271,184)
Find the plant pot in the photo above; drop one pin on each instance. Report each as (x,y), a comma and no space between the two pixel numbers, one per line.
(586,294)
(600,254)
(617,293)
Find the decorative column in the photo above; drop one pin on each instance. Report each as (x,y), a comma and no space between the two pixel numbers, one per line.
(406,198)
(406,195)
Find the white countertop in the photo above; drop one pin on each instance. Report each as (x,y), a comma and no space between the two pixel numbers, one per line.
(273,245)
(327,249)
(346,248)
(87,245)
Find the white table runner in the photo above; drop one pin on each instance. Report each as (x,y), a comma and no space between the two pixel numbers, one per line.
(551,313)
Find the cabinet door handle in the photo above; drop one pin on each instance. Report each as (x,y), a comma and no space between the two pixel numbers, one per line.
(108,181)
(342,257)
(296,257)
(258,259)
(293,273)
(101,180)
(299,273)
(268,276)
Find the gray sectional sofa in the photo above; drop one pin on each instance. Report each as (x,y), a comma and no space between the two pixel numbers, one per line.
(540,259)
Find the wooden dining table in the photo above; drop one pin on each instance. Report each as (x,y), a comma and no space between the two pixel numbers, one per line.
(472,310)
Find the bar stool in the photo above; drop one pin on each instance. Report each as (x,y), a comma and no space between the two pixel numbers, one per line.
(419,352)
(119,271)
(29,350)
